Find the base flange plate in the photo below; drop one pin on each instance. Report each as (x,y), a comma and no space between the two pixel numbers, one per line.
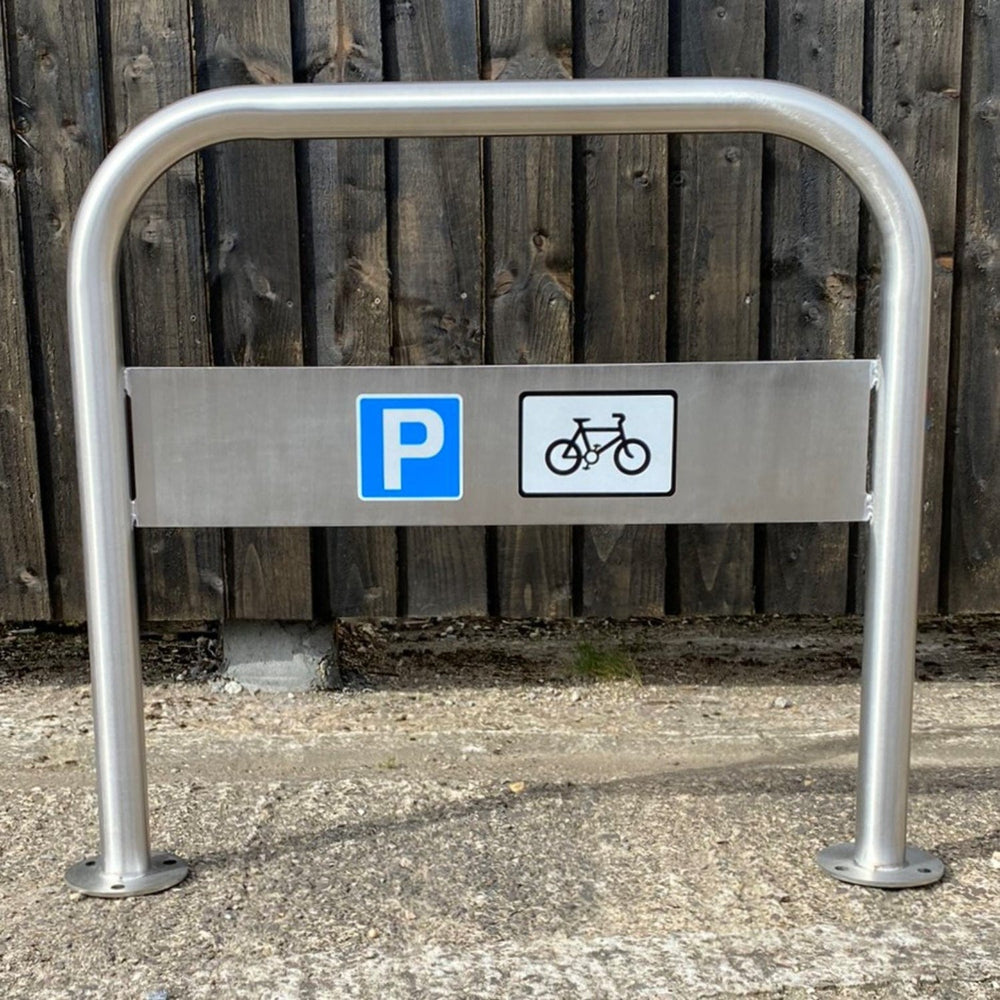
(90,878)
(920,868)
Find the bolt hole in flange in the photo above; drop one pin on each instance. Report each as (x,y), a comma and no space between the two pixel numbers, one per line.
(919,868)
(165,870)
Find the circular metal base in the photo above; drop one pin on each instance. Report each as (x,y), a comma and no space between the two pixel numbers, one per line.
(88,877)
(920,868)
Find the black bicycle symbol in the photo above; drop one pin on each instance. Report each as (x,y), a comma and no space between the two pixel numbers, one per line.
(565,455)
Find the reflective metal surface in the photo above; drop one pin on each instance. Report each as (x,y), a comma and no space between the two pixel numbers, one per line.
(917,868)
(93,877)
(441,109)
(755,441)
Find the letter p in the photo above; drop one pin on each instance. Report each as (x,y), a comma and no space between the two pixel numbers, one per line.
(394,450)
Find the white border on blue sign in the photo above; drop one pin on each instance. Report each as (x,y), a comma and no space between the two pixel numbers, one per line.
(413,395)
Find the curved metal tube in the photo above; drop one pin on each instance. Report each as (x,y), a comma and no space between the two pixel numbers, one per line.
(460,109)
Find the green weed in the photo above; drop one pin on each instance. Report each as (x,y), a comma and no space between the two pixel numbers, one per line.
(597,664)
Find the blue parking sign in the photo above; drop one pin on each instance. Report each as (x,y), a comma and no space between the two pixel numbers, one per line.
(410,447)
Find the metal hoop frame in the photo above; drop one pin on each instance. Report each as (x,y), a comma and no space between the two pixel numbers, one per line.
(879,855)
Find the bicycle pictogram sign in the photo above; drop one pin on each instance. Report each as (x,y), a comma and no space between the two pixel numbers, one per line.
(620,442)
(566,455)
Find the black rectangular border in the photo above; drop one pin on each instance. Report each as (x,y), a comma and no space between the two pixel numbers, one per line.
(592,392)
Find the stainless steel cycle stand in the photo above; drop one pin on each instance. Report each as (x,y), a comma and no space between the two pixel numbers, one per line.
(879,855)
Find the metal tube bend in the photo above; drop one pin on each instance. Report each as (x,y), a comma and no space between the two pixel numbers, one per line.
(396,110)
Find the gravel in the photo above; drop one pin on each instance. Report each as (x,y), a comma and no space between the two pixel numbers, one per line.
(469,816)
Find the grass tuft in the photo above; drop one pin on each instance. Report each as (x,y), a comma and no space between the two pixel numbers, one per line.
(596,664)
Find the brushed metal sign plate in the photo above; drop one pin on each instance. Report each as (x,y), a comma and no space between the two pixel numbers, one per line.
(548,444)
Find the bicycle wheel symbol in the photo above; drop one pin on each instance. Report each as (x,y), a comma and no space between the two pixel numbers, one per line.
(632,456)
(563,457)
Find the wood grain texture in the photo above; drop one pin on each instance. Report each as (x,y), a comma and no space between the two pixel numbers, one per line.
(252,225)
(24,592)
(56,95)
(487,253)
(916,81)
(345,268)
(974,539)
(715,243)
(916,88)
(811,289)
(165,315)
(529,308)
(623,253)
(436,249)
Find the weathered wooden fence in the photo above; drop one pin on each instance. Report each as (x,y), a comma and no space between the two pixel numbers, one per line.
(502,250)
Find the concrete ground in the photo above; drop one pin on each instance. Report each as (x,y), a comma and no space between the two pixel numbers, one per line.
(475,815)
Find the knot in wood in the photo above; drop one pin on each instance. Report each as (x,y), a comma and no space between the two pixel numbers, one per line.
(810,312)
(503,283)
(265,73)
(982,252)
(988,110)
(72,131)
(140,65)
(153,230)
(261,285)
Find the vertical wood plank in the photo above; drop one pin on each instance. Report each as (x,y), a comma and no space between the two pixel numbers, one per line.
(623,305)
(56,92)
(973,582)
(529,307)
(932,540)
(345,266)
(23,585)
(811,291)
(715,241)
(436,248)
(916,78)
(252,222)
(165,315)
